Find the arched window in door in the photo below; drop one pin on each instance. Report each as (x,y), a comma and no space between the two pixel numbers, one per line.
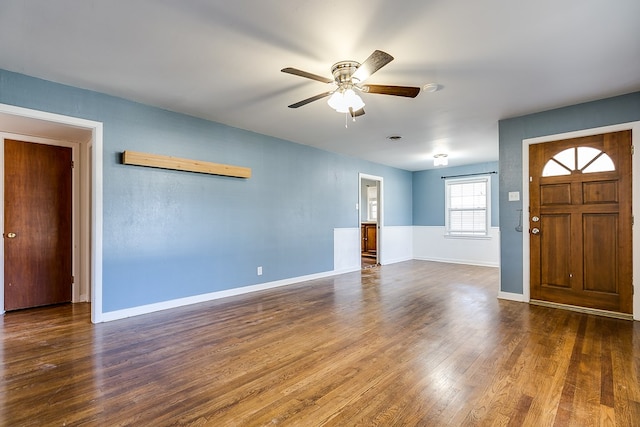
(578,160)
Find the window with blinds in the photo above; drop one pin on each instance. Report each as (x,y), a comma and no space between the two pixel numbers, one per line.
(467,206)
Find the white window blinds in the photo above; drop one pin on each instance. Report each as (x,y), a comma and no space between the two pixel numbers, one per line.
(467,206)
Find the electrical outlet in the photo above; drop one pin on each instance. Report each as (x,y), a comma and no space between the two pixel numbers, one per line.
(260,271)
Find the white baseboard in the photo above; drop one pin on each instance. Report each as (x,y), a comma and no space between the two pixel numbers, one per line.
(396,260)
(180,302)
(458,261)
(343,271)
(397,246)
(511,296)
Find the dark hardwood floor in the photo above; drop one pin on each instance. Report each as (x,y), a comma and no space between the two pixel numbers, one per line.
(413,343)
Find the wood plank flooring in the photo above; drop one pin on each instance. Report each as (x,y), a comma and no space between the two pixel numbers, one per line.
(413,343)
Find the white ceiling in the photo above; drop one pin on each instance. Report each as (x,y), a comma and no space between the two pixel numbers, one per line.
(221,60)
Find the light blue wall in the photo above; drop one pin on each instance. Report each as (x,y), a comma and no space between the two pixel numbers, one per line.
(429,197)
(611,111)
(170,234)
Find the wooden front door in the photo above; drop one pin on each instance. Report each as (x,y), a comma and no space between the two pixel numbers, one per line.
(580,221)
(37,224)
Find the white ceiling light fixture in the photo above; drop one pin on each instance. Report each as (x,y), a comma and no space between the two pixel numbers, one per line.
(431,87)
(345,101)
(440,160)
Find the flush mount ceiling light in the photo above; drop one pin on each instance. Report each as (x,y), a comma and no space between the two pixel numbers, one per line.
(440,160)
(431,87)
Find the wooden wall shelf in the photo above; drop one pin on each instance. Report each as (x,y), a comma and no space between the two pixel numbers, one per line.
(187,165)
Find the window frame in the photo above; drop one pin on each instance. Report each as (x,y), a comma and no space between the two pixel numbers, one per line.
(575,165)
(448,183)
(372,203)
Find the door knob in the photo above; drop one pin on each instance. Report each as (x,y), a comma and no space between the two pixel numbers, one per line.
(11,235)
(535,231)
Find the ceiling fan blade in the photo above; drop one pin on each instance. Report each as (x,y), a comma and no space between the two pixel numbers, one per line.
(407,91)
(307,75)
(373,63)
(308,100)
(356,113)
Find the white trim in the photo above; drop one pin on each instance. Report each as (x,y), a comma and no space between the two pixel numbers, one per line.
(96,223)
(635,179)
(431,244)
(96,192)
(586,310)
(380,221)
(346,250)
(397,242)
(2,226)
(448,182)
(456,261)
(180,302)
(511,296)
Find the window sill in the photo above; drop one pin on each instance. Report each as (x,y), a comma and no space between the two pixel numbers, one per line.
(467,237)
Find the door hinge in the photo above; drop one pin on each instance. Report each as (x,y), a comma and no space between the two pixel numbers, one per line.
(73,279)
(73,164)
(632,150)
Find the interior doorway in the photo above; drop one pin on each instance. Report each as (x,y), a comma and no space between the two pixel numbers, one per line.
(86,138)
(370,219)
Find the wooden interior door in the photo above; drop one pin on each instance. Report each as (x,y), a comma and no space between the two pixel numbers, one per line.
(37,227)
(370,238)
(580,222)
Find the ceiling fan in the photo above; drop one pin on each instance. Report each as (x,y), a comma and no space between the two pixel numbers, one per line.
(349,77)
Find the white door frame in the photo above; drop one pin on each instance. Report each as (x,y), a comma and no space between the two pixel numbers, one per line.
(380,221)
(90,162)
(635,204)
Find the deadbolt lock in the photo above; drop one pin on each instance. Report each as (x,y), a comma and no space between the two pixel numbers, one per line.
(535,219)
(11,235)
(535,231)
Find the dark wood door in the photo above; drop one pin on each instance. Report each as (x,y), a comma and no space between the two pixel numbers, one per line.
(580,222)
(37,224)
(369,238)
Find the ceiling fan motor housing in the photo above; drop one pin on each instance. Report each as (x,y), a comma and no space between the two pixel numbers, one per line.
(343,70)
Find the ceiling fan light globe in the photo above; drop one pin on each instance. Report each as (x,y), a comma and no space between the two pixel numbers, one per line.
(352,100)
(342,102)
(335,101)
